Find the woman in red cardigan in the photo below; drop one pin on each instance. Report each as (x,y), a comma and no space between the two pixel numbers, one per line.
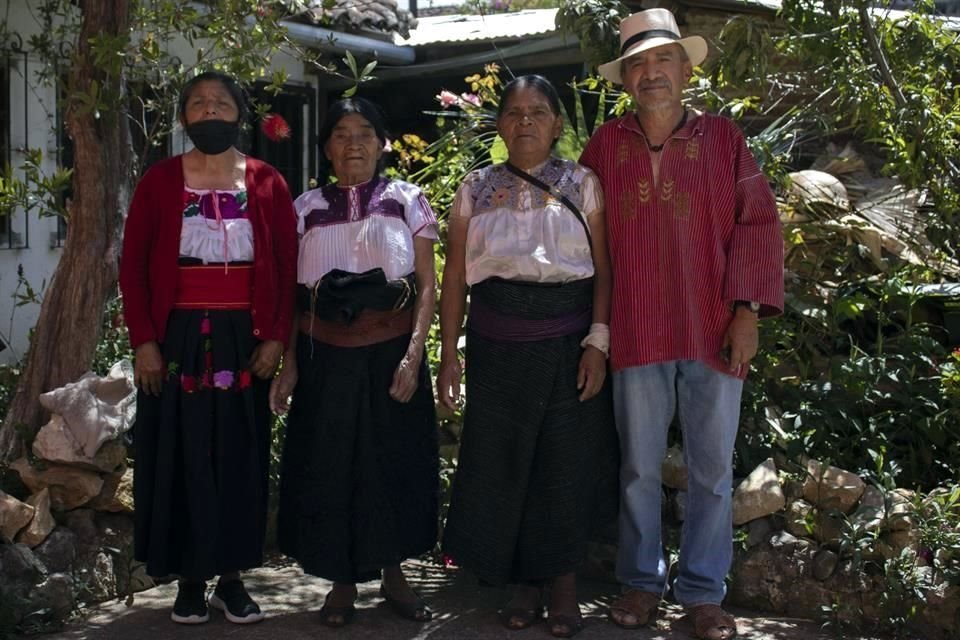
(208,274)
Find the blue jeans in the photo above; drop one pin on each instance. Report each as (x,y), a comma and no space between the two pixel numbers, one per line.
(645,399)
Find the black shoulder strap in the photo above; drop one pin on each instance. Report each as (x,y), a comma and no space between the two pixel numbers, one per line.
(520,173)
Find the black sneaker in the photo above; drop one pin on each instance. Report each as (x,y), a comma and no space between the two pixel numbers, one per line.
(236,604)
(190,606)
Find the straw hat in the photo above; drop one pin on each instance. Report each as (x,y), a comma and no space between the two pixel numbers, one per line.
(649,29)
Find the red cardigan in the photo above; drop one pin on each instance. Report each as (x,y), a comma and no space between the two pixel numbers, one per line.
(151,251)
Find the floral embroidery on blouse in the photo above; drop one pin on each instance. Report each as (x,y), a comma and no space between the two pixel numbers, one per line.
(232,204)
(496,188)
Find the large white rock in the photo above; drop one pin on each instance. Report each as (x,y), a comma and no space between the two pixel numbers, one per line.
(831,488)
(14,515)
(96,409)
(759,494)
(674,469)
(70,487)
(42,524)
(55,442)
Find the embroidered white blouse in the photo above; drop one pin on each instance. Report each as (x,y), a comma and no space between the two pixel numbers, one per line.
(518,232)
(215,227)
(361,227)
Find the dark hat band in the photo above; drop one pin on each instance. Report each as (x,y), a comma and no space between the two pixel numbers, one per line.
(645,35)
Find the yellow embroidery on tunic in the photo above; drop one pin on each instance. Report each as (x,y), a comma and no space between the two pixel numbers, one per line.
(693,149)
(643,188)
(681,206)
(667,192)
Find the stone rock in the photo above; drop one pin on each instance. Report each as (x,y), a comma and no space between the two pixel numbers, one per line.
(824,564)
(784,542)
(95,409)
(116,494)
(900,540)
(56,443)
(798,519)
(900,510)
(14,515)
(54,597)
(674,469)
(116,536)
(70,487)
(59,551)
(867,518)
(42,523)
(872,497)
(832,488)
(759,495)
(758,532)
(18,564)
(83,523)
(829,528)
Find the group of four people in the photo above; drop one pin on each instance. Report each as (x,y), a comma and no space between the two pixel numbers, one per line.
(660,250)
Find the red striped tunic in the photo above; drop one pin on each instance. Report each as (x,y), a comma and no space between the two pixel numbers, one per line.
(684,249)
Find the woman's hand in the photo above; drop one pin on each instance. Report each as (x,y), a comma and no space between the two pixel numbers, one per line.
(405,379)
(148,368)
(448,382)
(592,372)
(265,358)
(282,387)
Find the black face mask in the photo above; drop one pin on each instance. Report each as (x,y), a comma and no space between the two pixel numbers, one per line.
(213,137)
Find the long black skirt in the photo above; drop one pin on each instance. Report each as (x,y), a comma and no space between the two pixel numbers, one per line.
(537,473)
(202,451)
(359,475)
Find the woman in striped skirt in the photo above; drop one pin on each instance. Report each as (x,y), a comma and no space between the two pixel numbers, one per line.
(538,462)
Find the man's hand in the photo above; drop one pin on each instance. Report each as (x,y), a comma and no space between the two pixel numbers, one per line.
(741,339)
(148,368)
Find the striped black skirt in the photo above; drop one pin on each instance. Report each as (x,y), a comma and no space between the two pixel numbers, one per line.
(537,472)
(359,475)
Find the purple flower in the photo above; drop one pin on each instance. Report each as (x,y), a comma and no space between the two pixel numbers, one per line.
(223,379)
(471,98)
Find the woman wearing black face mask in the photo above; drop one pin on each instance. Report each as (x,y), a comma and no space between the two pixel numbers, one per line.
(208,275)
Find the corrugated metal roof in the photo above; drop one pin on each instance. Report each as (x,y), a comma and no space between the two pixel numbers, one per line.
(496,26)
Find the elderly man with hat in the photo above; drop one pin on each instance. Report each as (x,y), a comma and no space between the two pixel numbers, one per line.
(697,258)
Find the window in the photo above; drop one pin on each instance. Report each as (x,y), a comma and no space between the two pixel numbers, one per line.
(10,236)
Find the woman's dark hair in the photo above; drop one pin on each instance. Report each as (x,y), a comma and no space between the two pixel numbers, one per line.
(533,81)
(345,107)
(228,82)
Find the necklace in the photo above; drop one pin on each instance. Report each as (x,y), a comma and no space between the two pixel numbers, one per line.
(657,148)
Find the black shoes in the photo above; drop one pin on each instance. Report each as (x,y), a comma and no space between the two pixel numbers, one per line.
(236,604)
(190,606)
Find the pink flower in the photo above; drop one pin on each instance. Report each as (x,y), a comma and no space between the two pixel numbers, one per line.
(448,561)
(223,379)
(205,327)
(471,98)
(275,127)
(387,148)
(448,99)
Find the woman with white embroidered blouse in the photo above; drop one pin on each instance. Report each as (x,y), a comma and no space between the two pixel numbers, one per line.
(208,274)
(359,476)
(538,463)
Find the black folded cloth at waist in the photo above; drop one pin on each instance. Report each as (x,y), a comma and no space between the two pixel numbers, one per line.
(340,296)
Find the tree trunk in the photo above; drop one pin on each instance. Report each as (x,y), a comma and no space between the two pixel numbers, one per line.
(71,314)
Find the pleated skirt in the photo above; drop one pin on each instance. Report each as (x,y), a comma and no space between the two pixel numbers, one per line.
(359,476)
(202,451)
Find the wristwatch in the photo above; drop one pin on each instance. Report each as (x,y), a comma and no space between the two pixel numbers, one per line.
(754,307)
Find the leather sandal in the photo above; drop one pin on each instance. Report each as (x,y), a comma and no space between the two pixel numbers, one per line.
(518,618)
(418,611)
(710,622)
(564,626)
(642,605)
